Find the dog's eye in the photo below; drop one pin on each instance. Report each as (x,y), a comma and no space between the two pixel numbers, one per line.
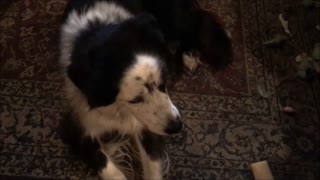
(138,99)
(163,88)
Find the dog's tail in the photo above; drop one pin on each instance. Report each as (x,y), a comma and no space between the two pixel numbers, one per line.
(203,36)
(213,41)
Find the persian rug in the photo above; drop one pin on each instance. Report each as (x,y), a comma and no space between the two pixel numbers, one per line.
(228,123)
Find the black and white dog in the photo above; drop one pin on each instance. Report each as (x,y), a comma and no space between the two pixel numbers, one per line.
(116,60)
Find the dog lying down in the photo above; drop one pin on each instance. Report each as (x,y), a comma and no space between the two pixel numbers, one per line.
(116,61)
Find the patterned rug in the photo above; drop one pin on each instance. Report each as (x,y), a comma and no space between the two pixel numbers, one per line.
(228,123)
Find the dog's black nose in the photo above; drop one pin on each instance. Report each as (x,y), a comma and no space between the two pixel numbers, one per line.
(174,126)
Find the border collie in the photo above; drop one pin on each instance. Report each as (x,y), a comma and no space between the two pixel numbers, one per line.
(116,61)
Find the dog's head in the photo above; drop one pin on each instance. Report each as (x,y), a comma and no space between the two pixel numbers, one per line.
(143,93)
(124,66)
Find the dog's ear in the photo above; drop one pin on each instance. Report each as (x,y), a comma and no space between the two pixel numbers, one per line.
(214,44)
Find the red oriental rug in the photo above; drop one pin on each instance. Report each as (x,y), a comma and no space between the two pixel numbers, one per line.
(228,124)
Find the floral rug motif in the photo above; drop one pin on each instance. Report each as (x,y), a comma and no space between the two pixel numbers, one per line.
(228,124)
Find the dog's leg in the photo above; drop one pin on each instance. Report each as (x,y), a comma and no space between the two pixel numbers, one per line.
(113,143)
(151,149)
(152,169)
(111,172)
(89,150)
(95,156)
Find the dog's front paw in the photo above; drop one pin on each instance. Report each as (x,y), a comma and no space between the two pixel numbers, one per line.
(111,172)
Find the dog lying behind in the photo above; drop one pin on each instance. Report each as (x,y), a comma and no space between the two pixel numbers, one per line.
(116,62)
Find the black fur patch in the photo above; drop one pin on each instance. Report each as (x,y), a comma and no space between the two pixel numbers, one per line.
(214,44)
(153,145)
(85,148)
(92,155)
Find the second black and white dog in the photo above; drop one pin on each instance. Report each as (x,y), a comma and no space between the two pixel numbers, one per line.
(116,61)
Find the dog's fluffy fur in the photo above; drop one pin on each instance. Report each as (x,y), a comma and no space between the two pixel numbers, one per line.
(116,61)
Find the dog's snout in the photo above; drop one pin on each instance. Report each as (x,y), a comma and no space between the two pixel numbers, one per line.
(174,126)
